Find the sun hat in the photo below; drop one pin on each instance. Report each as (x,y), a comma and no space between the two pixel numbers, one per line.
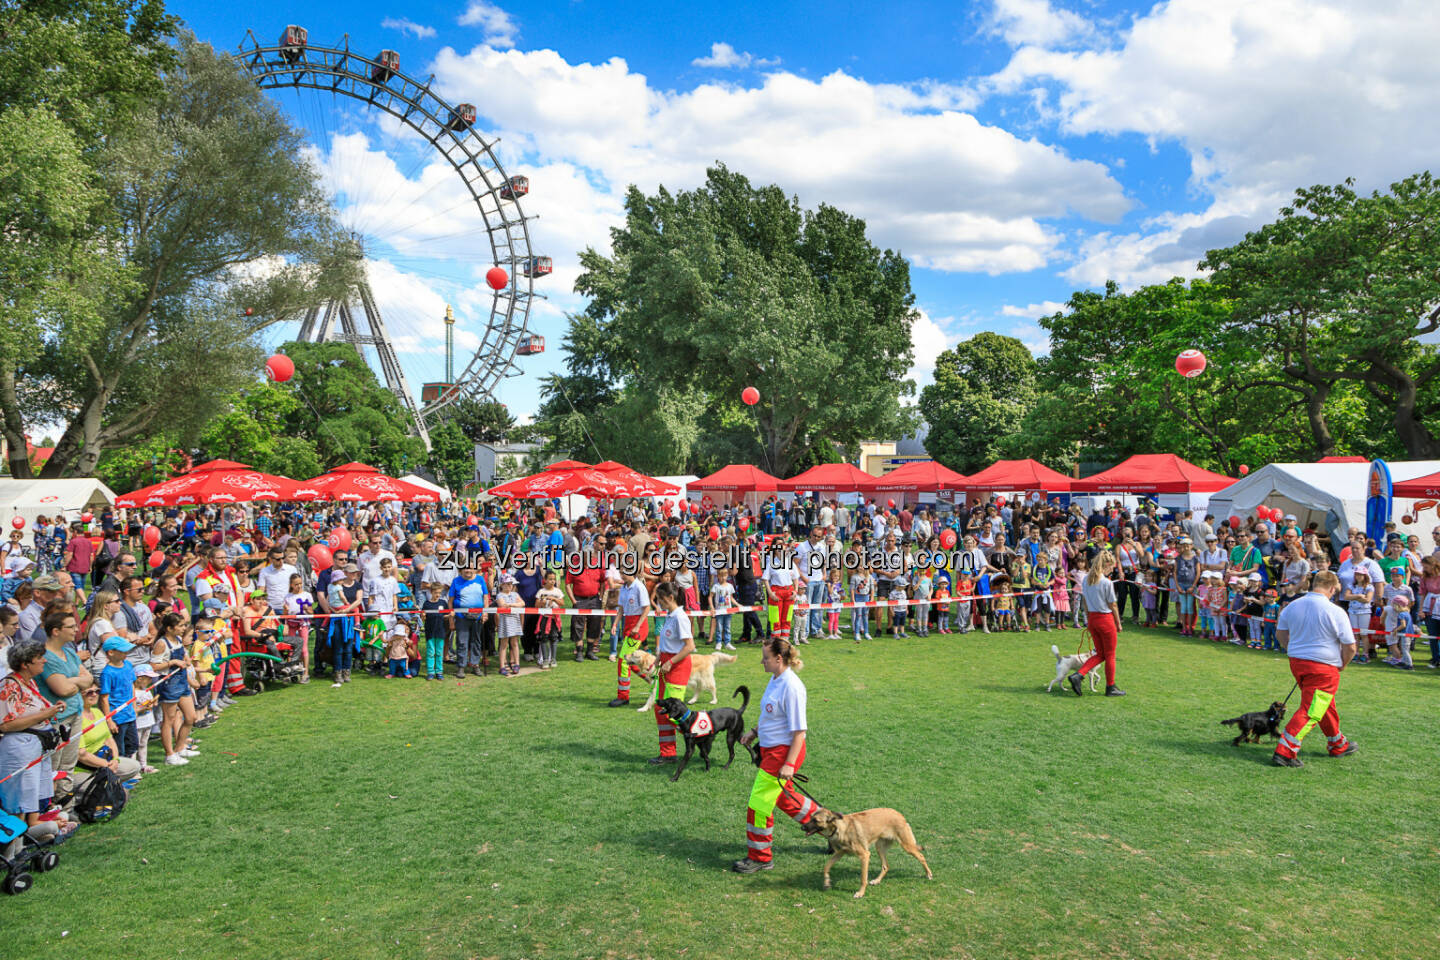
(1254,576)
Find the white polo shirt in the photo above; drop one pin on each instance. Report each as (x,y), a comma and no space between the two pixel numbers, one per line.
(782,710)
(1318,629)
(634,598)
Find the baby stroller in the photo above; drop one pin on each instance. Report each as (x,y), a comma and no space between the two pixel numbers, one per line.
(21,855)
(262,670)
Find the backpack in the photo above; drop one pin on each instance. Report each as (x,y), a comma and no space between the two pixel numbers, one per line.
(102,797)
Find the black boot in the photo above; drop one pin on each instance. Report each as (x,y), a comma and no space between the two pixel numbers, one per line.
(1113,691)
(1075,683)
(749,866)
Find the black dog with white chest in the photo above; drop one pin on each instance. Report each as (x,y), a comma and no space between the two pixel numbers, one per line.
(700,727)
(1254,725)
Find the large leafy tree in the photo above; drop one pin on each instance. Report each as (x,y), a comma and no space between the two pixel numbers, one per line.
(1339,290)
(982,390)
(727,286)
(202,180)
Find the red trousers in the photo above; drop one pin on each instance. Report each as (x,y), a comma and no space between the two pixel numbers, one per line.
(677,677)
(635,631)
(1103,632)
(784,600)
(1319,682)
(766,795)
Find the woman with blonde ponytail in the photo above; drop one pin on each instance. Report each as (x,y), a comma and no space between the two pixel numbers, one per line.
(1103,619)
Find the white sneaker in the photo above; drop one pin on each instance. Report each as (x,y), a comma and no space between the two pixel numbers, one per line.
(612,658)
(175,760)
(189,753)
(719,647)
(729,646)
(337,684)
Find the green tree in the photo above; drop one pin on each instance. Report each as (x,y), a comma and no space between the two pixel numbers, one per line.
(1340,289)
(983,387)
(452,455)
(480,422)
(713,290)
(202,180)
(255,427)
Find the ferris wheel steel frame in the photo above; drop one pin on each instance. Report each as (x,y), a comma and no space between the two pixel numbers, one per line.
(340,70)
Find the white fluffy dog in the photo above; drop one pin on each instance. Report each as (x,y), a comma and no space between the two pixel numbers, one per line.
(1065,666)
(702,674)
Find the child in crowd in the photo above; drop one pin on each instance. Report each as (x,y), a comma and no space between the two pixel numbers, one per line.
(396,651)
(509,629)
(1202,604)
(611,602)
(1003,607)
(1217,599)
(834,593)
(547,630)
(722,598)
(1060,599)
(117,692)
(1358,597)
(145,706)
(299,604)
(436,629)
(1043,579)
(204,651)
(862,589)
(964,604)
(942,604)
(1238,624)
(1399,624)
(924,588)
(1020,577)
(1252,614)
(898,597)
(1150,598)
(1269,641)
(1076,585)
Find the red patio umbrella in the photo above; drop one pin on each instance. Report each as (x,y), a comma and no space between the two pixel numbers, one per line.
(218,481)
(362,482)
(640,484)
(563,479)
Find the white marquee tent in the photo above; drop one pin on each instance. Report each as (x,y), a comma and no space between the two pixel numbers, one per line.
(435,488)
(37,498)
(1330,494)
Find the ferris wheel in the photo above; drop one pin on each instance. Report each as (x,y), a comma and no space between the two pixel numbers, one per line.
(490,200)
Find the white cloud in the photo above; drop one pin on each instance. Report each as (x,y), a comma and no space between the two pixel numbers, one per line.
(500,30)
(929,337)
(405,25)
(1264,98)
(1037,22)
(725,57)
(928,177)
(1033,311)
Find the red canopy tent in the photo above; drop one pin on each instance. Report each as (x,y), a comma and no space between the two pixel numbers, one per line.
(919,476)
(219,481)
(1017,476)
(736,478)
(361,482)
(1342,460)
(640,485)
(1426,487)
(563,479)
(828,478)
(1153,473)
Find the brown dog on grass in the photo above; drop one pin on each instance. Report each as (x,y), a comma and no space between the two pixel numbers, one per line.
(855,832)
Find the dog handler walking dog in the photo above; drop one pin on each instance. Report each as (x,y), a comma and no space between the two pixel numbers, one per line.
(1316,634)
(1103,618)
(781,730)
(635,608)
(672,668)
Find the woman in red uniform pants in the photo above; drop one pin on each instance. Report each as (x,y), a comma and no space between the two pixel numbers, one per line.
(672,664)
(1103,616)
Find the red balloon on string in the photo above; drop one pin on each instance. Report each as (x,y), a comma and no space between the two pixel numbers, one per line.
(151,536)
(18,523)
(892,504)
(750,395)
(156,558)
(999,501)
(1244,469)
(339,539)
(86,517)
(497,278)
(744,524)
(714,532)
(947,538)
(320,557)
(1234,523)
(472,521)
(279,368)
(1190,363)
(1344,554)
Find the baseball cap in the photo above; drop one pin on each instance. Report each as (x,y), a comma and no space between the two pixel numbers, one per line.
(212,603)
(47,582)
(1395,570)
(1254,576)
(145,670)
(118,643)
(352,568)
(1211,536)
(256,593)
(1289,516)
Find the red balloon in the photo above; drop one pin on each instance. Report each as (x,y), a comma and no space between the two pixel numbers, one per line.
(151,536)
(280,368)
(86,517)
(156,558)
(892,504)
(750,395)
(1234,523)
(695,509)
(472,521)
(18,523)
(947,538)
(339,539)
(320,557)
(1190,363)
(1345,554)
(497,278)
(744,524)
(714,532)
(1244,469)
(999,501)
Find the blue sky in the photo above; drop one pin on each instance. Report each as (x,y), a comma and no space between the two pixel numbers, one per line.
(1014,150)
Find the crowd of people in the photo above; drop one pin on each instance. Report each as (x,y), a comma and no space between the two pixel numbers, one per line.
(118,630)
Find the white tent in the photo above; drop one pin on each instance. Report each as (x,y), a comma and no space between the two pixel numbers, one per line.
(37,498)
(420,481)
(1330,494)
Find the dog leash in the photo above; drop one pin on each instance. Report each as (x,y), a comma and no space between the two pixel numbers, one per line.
(796,778)
(1290,694)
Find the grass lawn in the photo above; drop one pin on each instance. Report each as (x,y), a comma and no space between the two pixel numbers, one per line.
(517,818)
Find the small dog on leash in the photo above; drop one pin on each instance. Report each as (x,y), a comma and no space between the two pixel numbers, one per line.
(1071,664)
(855,832)
(1254,725)
(702,674)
